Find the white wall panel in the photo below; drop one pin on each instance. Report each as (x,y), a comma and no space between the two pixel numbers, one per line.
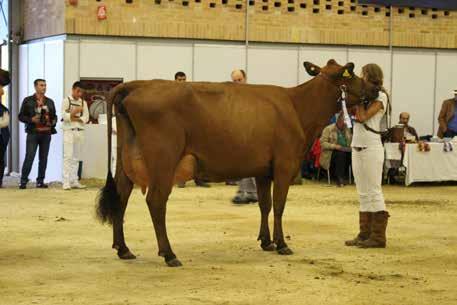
(71,71)
(54,74)
(273,66)
(23,72)
(319,56)
(216,62)
(36,63)
(23,93)
(413,86)
(446,81)
(108,59)
(361,57)
(163,61)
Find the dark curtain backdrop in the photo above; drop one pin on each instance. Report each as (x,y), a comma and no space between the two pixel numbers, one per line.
(438,4)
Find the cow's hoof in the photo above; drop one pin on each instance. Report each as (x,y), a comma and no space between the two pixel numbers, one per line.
(270,247)
(126,255)
(174,263)
(285,251)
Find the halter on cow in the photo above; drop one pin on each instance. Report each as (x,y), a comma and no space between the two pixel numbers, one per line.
(169,132)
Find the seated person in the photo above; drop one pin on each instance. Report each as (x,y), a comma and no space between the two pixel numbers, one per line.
(410,133)
(448,118)
(336,149)
(311,162)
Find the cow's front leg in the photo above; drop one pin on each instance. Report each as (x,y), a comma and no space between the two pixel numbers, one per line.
(282,179)
(157,203)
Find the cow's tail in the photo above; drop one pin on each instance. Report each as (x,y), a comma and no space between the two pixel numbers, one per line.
(108,200)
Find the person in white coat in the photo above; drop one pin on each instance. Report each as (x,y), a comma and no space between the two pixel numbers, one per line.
(75,115)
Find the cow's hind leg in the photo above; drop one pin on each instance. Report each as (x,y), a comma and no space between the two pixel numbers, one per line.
(282,180)
(157,198)
(124,188)
(264,194)
(112,201)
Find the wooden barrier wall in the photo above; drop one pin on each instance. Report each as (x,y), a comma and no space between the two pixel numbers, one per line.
(339,22)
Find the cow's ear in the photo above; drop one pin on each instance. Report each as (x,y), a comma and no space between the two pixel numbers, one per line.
(348,70)
(311,68)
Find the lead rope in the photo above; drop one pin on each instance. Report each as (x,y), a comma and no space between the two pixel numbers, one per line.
(347,119)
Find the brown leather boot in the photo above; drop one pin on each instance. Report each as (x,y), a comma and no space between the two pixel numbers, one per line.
(378,231)
(365,219)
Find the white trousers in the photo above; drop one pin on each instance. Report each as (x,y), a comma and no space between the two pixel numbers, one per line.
(247,185)
(72,145)
(367,166)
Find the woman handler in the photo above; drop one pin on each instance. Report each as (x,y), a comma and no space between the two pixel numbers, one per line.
(367,164)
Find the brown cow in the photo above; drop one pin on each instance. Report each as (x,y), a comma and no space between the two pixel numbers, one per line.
(169,132)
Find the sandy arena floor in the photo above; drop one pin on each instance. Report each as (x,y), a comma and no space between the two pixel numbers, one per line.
(54,251)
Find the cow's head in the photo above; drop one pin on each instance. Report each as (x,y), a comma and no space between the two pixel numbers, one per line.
(357,89)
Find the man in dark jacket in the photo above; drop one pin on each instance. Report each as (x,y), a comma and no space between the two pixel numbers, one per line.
(38,113)
(4,123)
(448,118)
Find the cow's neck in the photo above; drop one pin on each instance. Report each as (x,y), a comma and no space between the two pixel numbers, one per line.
(315,102)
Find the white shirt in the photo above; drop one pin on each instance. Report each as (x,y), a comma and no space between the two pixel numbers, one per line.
(365,138)
(67,104)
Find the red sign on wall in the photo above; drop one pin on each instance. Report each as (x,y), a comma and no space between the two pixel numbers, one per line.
(101,12)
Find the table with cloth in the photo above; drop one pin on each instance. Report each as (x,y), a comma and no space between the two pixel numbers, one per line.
(424,166)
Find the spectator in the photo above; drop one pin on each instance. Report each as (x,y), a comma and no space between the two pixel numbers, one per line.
(409,135)
(336,149)
(38,113)
(410,132)
(4,123)
(75,115)
(448,118)
(180,76)
(311,162)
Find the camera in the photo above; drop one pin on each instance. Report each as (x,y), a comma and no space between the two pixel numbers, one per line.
(44,116)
